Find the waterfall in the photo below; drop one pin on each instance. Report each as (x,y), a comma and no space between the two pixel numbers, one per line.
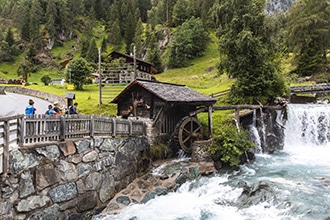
(309,123)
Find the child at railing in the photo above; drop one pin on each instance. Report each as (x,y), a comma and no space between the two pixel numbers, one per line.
(30,111)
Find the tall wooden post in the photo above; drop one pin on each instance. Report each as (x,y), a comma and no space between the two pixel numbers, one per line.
(100,77)
(5,159)
(210,122)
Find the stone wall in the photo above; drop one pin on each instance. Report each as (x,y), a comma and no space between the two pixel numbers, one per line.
(57,181)
(39,94)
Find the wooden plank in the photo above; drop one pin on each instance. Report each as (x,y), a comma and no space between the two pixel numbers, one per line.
(229,107)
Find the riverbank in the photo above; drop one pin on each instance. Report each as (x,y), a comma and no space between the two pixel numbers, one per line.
(163,178)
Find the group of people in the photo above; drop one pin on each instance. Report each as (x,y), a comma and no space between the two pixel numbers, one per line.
(52,110)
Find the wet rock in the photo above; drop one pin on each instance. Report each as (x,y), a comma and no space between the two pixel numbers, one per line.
(255,194)
(182,178)
(123,200)
(153,194)
(194,172)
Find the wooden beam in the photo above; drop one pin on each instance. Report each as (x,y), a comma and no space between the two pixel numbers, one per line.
(197,111)
(228,107)
(158,115)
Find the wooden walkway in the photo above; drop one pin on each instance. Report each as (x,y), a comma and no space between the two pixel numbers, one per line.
(311,88)
(22,131)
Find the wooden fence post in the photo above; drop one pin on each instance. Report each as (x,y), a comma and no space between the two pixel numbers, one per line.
(130,127)
(62,128)
(6,133)
(114,127)
(92,126)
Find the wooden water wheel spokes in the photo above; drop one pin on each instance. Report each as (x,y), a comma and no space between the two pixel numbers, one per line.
(190,129)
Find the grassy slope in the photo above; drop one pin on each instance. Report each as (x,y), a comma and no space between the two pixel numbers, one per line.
(200,76)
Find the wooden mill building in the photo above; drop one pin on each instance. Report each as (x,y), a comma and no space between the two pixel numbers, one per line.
(167,106)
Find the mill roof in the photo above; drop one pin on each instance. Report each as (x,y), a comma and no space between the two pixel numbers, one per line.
(168,92)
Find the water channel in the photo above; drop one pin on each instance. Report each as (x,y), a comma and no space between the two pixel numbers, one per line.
(299,175)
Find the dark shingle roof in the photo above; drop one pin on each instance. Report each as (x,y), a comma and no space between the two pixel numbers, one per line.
(169,92)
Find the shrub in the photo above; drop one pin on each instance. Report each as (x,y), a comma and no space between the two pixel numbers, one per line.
(46,79)
(229,144)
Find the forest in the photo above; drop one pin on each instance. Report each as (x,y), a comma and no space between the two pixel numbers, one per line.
(253,37)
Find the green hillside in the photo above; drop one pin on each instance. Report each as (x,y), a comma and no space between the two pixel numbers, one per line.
(201,76)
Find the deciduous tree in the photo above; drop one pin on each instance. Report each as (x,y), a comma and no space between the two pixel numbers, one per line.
(79,73)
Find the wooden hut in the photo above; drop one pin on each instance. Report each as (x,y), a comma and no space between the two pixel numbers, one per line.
(141,65)
(171,108)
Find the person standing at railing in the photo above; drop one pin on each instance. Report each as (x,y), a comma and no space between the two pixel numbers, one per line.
(73,109)
(30,111)
(50,113)
(57,109)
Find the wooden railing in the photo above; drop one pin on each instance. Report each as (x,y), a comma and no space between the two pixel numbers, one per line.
(23,131)
(9,130)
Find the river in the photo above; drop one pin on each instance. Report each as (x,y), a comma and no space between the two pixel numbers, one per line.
(299,176)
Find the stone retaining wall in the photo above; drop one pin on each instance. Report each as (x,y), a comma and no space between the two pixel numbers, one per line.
(56,181)
(35,93)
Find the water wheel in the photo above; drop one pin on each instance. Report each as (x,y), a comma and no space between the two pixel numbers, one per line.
(187,131)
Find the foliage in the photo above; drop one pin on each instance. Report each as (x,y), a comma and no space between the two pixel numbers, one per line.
(229,144)
(78,73)
(46,80)
(153,53)
(189,41)
(308,34)
(159,151)
(92,52)
(246,53)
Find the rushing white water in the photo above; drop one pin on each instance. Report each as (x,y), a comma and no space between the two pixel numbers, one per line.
(299,176)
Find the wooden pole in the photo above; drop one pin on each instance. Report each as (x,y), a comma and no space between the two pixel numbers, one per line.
(100,84)
(210,122)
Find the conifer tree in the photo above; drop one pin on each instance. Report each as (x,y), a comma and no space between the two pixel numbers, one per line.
(153,53)
(51,10)
(10,37)
(309,35)
(138,38)
(114,36)
(245,53)
(92,52)
(35,20)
